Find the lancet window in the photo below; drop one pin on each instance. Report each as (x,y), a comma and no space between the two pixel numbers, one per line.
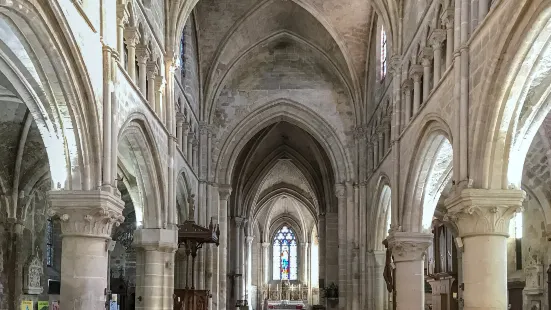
(285,262)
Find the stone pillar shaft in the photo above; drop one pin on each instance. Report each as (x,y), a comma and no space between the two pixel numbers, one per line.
(237,257)
(426,79)
(416,93)
(224,193)
(340,190)
(482,218)
(87,218)
(143,55)
(408,250)
(155,250)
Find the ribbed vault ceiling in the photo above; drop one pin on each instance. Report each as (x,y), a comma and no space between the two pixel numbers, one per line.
(281,160)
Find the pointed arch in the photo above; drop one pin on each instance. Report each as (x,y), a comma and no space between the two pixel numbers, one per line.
(138,154)
(39,58)
(520,92)
(432,168)
(382,217)
(277,111)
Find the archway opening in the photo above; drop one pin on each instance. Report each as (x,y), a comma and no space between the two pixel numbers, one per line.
(282,181)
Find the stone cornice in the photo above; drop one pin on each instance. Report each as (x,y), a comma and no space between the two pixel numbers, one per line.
(86,213)
(484,212)
(409,246)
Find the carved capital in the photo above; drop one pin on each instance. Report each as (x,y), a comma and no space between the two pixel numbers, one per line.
(340,191)
(265,244)
(416,72)
(239,221)
(426,56)
(409,246)
(142,54)
(131,36)
(447,17)
(86,213)
(436,38)
(224,191)
(484,212)
(152,69)
(395,64)
(407,85)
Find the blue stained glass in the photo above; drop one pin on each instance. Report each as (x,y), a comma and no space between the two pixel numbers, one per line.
(285,261)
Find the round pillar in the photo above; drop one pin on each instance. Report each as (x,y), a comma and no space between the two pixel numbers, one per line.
(87,218)
(482,218)
(408,251)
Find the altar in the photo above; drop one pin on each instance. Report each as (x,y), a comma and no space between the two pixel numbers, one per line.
(285,295)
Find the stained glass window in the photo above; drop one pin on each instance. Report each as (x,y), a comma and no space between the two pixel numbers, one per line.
(384,61)
(285,258)
(183,52)
(49,242)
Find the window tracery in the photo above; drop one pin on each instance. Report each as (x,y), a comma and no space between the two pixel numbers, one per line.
(285,256)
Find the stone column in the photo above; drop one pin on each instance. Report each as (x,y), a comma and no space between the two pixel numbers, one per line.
(143,55)
(87,218)
(436,39)
(369,158)
(224,192)
(340,191)
(406,87)
(131,39)
(185,133)
(426,61)
(160,109)
(122,18)
(195,154)
(416,73)
(483,7)
(408,250)
(482,218)
(248,263)
(304,250)
(375,152)
(151,75)
(238,221)
(155,250)
(321,249)
(179,128)
(386,131)
(448,20)
(379,284)
(190,139)
(380,134)
(265,262)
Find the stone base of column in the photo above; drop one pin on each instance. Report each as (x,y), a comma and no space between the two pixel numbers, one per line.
(155,250)
(87,218)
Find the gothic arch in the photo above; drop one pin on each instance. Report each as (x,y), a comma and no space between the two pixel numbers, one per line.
(41,62)
(181,12)
(503,131)
(138,154)
(432,161)
(289,221)
(383,202)
(276,111)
